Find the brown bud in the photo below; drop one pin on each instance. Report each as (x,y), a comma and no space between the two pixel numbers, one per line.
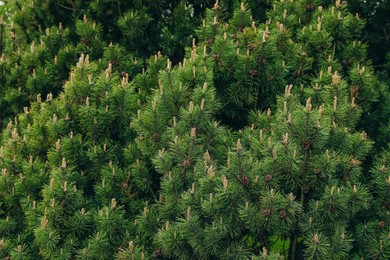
(244,180)
(156,137)
(186,163)
(268,177)
(156,253)
(382,224)
(282,213)
(306,145)
(266,212)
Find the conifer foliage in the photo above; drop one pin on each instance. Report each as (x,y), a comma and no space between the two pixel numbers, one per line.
(253,146)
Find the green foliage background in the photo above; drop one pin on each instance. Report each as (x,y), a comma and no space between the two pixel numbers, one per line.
(194,129)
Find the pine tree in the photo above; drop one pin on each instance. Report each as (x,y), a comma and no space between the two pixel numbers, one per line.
(253,146)
(41,40)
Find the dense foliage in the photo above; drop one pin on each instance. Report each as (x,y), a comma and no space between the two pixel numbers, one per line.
(255,130)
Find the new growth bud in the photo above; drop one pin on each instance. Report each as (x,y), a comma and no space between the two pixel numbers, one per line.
(225,183)
(363,136)
(336,78)
(316,239)
(308,104)
(239,147)
(63,163)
